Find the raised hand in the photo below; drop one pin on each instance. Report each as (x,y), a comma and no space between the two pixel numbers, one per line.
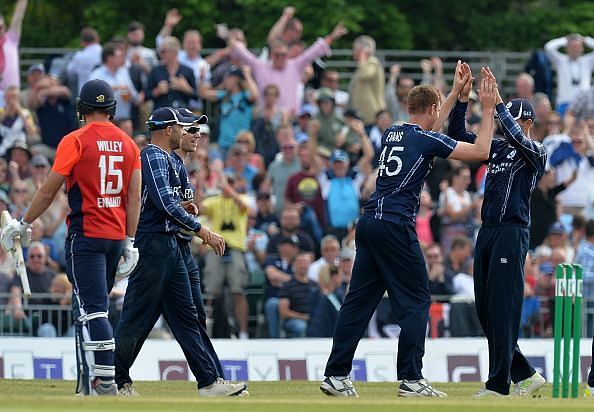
(460,77)
(339,31)
(486,72)
(488,93)
(172,18)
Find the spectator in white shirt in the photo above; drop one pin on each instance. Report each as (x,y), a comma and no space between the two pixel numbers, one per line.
(330,253)
(86,60)
(113,72)
(190,55)
(574,69)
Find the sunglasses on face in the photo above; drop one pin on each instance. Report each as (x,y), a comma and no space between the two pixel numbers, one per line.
(192,129)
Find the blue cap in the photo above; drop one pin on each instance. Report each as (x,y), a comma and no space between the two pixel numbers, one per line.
(557,229)
(167,116)
(521,109)
(306,109)
(339,156)
(202,119)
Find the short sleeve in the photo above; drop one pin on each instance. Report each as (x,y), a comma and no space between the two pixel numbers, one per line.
(439,145)
(67,155)
(136,157)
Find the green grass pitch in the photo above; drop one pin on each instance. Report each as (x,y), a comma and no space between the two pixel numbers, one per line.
(55,395)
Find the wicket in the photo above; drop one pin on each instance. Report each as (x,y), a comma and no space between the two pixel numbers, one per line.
(568,324)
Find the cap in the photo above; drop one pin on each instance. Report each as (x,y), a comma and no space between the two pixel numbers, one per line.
(291,240)
(339,156)
(167,116)
(234,71)
(19,145)
(325,93)
(39,160)
(36,68)
(521,109)
(202,119)
(204,129)
(557,229)
(347,254)
(306,110)
(351,113)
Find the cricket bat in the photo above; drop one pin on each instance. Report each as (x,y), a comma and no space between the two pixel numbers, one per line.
(17,255)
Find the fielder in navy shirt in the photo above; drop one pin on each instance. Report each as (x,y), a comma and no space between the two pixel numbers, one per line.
(516,164)
(388,255)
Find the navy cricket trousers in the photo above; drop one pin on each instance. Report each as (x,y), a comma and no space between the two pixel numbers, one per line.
(160,285)
(91,265)
(388,258)
(499,258)
(194,275)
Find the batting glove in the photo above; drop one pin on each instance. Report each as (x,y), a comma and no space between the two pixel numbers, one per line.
(130,255)
(15,228)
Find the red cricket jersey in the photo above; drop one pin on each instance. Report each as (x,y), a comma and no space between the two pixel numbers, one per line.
(97,161)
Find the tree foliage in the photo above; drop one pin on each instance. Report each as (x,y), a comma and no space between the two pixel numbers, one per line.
(405,24)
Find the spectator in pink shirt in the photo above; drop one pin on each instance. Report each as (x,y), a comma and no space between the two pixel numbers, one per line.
(9,49)
(282,71)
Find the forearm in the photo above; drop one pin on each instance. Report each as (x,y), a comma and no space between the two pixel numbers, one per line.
(132,216)
(277,29)
(485,135)
(17,17)
(446,108)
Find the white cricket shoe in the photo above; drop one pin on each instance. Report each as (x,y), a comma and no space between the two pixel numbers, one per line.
(333,386)
(222,388)
(128,390)
(529,386)
(418,389)
(488,393)
(100,388)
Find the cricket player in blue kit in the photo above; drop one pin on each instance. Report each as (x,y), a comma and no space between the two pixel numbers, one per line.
(188,145)
(388,255)
(516,164)
(160,283)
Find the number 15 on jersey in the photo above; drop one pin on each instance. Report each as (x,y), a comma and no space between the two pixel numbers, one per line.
(391,164)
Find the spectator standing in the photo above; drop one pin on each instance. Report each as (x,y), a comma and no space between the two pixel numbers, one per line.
(86,60)
(51,102)
(228,215)
(539,68)
(283,167)
(331,80)
(303,187)
(170,84)
(236,98)
(396,94)
(383,120)
(295,298)
(574,69)
(138,54)
(283,72)
(267,121)
(366,88)
(331,134)
(237,165)
(9,49)
(525,87)
(113,72)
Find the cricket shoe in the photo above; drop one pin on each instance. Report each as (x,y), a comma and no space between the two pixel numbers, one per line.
(222,388)
(128,390)
(333,386)
(488,393)
(589,392)
(529,385)
(100,388)
(419,389)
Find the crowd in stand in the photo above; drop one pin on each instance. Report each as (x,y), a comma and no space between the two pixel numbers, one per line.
(283,167)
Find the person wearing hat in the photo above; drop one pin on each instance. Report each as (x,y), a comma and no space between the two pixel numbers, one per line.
(160,285)
(516,164)
(100,167)
(341,188)
(237,98)
(331,134)
(18,156)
